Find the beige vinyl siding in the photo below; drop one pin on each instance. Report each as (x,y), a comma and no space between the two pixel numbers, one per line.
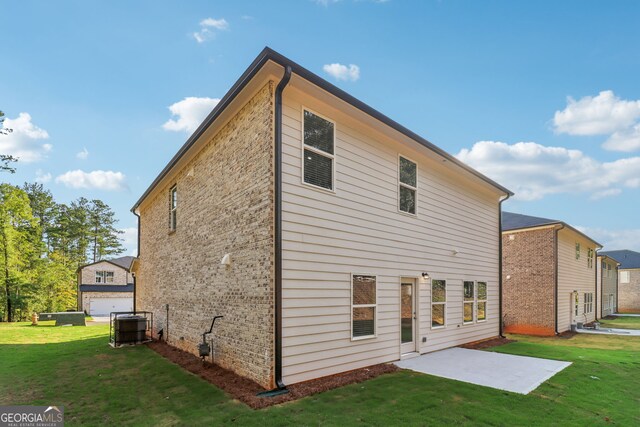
(607,285)
(358,229)
(574,274)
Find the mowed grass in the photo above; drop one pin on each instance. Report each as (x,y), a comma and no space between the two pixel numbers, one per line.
(97,385)
(621,322)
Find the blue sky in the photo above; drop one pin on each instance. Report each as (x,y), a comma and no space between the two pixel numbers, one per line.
(550,88)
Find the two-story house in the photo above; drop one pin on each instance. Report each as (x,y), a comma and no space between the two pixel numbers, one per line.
(628,293)
(607,277)
(548,274)
(329,236)
(106,286)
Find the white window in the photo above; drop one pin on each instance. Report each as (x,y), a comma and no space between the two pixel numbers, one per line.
(318,151)
(363,306)
(438,303)
(577,250)
(407,191)
(608,270)
(173,208)
(481,310)
(624,277)
(588,302)
(104,276)
(590,253)
(611,302)
(469,301)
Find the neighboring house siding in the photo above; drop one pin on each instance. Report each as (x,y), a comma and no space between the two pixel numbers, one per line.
(629,293)
(225,205)
(607,285)
(358,229)
(120,275)
(528,278)
(574,275)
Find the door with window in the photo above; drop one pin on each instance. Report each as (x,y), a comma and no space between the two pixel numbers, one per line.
(408,342)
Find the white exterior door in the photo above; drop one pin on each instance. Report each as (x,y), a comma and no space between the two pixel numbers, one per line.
(104,306)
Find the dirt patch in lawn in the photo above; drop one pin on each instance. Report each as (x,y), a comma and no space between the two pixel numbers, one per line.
(491,342)
(246,391)
(567,334)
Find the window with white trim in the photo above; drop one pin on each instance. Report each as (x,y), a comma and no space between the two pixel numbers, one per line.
(173,208)
(104,276)
(363,306)
(590,253)
(469,296)
(577,250)
(408,185)
(608,270)
(624,277)
(438,303)
(481,308)
(588,302)
(318,151)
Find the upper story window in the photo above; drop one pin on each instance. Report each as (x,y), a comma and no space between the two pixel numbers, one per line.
(104,276)
(173,207)
(590,253)
(608,270)
(577,250)
(624,277)
(408,177)
(318,151)
(363,306)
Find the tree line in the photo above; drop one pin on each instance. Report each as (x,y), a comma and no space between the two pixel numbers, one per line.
(42,244)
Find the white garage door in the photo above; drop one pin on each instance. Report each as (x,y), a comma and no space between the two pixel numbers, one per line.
(104,306)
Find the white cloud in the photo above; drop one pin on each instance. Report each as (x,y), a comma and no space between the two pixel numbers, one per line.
(614,239)
(129,240)
(533,171)
(83,155)
(624,140)
(99,180)
(596,115)
(208,27)
(190,112)
(605,193)
(343,72)
(42,177)
(325,2)
(25,142)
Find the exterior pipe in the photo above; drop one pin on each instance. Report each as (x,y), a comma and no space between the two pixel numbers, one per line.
(278,226)
(601,285)
(555,290)
(501,321)
(135,284)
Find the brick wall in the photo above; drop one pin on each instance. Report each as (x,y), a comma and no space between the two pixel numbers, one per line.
(225,205)
(629,293)
(528,277)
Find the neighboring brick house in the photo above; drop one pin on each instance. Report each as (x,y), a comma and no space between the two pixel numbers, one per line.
(106,286)
(548,275)
(328,236)
(607,277)
(628,280)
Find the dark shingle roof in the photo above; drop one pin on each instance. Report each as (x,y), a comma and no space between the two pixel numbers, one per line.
(514,221)
(107,288)
(626,258)
(124,262)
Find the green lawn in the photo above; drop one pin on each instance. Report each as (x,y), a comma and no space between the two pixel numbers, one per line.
(622,322)
(74,367)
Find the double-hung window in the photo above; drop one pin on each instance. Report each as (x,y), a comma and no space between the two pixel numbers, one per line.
(624,277)
(318,151)
(590,258)
(577,250)
(481,310)
(588,302)
(173,208)
(469,301)
(408,185)
(438,303)
(104,276)
(363,306)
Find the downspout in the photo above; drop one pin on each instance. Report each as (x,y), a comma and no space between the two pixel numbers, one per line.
(555,290)
(501,321)
(278,228)
(601,285)
(138,256)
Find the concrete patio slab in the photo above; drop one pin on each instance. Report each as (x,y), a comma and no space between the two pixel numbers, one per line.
(518,374)
(626,315)
(611,331)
